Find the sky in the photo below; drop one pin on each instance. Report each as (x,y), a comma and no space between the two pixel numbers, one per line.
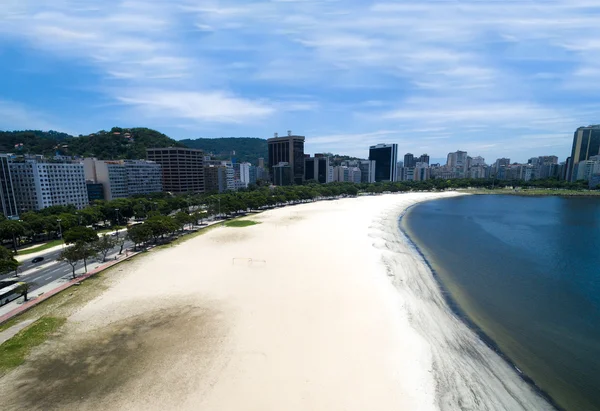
(495,78)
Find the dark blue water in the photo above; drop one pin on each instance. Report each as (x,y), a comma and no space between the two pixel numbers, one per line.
(526,271)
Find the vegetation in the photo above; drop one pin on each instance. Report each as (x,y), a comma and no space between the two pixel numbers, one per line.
(240,148)
(14,351)
(80,234)
(7,261)
(104,245)
(42,247)
(118,143)
(240,223)
(24,288)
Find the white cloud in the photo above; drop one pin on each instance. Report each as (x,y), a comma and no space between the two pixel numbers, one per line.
(472,72)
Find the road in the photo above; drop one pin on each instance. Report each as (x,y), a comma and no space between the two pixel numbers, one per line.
(50,269)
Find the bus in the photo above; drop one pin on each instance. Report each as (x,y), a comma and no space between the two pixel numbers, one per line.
(8,293)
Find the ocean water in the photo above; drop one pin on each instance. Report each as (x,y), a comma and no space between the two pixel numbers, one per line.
(525,272)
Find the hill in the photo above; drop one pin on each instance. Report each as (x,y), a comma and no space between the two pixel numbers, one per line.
(117,143)
(248,149)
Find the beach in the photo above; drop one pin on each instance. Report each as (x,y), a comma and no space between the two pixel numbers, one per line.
(320,306)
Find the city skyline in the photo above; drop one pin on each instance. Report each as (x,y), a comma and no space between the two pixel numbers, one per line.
(479,77)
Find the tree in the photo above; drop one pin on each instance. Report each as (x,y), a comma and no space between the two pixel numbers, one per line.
(80,234)
(182,219)
(10,229)
(139,234)
(87,251)
(72,255)
(7,261)
(24,288)
(104,245)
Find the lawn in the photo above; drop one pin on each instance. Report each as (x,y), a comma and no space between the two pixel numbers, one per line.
(14,351)
(240,223)
(42,247)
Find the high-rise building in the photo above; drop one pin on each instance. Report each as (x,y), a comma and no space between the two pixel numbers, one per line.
(39,184)
(586,143)
(424,158)
(501,162)
(317,168)
(386,158)
(111,174)
(282,174)
(8,202)
(124,178)
(409,160)
(261,162)
(182,168)
(477,161)
(215,178)
(367,171)
(246,169)
(457,159)
(288,149)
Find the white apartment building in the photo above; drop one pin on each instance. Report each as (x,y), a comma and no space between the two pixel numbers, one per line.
(124,178)
(39,184)
(245,173)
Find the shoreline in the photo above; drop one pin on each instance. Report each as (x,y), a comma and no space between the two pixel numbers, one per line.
(455,307)
(213,321)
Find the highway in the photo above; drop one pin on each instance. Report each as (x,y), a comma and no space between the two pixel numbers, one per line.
(50,269)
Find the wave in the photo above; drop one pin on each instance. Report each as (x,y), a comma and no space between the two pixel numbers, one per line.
(468,373)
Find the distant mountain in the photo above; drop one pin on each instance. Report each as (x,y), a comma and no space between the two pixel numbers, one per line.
(242,149)
(118,143)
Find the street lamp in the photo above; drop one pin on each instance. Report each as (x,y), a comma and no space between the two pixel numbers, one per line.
(58,220)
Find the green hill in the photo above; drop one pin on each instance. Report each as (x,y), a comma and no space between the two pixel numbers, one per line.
(248,149)
(117,143)
(126,143)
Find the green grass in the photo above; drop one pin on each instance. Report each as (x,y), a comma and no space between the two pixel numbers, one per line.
(42,247)
(14,351)
(240,223)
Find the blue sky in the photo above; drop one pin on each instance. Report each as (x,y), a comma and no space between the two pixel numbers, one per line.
(495,78)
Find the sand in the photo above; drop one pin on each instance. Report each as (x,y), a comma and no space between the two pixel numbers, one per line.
(315,308)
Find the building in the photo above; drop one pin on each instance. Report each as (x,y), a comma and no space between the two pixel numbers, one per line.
(261,162)
(95,191)
(409,160)
(408,174)
(124,178)
(588,168)
(215,178)
(8,202)
(457,159)
(182,168)
(290,150)
(424,158)
(501,162)
(317,168)
(367,170)
(143,177)
(247,174)
(282,174)
(477,161)
(341,174)
(586,143)
(421,171)
(111,174)
(386,158)
(39,184)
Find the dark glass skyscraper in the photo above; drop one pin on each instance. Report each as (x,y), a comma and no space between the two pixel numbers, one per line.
(288,149)
(586,143)
(8,204)
(385,157)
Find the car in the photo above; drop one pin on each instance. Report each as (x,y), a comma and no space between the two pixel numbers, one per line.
(37,260)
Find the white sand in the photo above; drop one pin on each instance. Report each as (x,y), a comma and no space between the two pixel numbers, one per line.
(314,322)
